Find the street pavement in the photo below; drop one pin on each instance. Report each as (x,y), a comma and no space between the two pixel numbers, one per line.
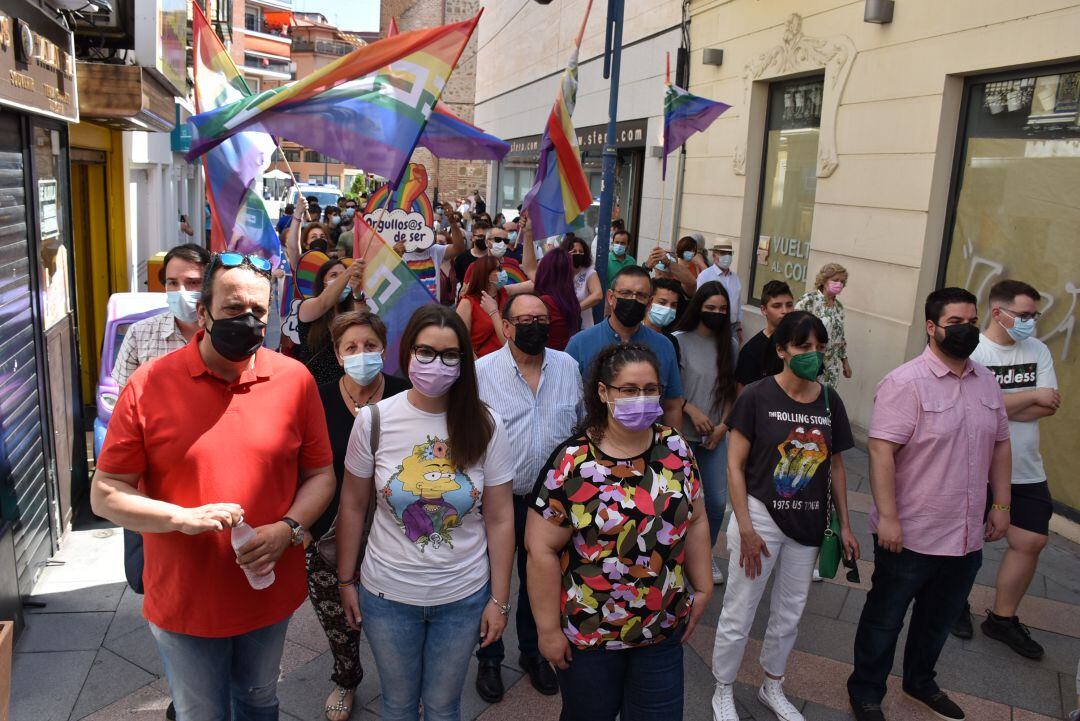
(87,653)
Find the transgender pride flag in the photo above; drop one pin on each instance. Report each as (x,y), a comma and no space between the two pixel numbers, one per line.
(561,191)
(684,115)
(238,218)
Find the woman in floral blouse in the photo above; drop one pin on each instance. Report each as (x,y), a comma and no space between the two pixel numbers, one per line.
(619,566)
(822,302)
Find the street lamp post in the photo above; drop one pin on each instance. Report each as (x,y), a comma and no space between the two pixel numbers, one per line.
(612,63)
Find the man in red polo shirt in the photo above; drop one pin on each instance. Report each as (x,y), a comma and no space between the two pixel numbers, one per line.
(217,432)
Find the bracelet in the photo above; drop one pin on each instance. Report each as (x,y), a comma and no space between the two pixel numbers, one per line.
(504,608)
(1001,506)
(346,584)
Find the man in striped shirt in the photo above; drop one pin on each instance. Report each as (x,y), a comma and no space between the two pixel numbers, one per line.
(537,392)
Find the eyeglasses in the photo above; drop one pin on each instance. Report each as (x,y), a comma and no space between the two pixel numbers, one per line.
(631,295)
(426,354)
(235,260)
(653,389)
(530,319)
(1023,316)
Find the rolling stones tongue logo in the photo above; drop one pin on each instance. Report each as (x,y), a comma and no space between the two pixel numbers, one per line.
(800,456)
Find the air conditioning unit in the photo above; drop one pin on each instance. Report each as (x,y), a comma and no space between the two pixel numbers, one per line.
(97,25)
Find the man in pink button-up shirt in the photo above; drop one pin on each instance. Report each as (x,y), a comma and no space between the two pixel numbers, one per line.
(939,435)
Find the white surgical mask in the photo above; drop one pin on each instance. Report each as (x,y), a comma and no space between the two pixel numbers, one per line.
(498,248)
(182,304)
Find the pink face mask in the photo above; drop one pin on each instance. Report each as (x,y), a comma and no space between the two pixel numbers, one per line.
(834,287)
(433,379)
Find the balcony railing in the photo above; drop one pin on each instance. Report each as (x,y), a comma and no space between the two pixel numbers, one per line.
(266,64)
(322,47)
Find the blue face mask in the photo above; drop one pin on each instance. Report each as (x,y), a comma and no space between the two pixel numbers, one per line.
(661,315)
(1021,329)
(618,249)
(513,237)
(182,304)
(688,255)
(350,212)
(345,293)
(363,367)
(503,278)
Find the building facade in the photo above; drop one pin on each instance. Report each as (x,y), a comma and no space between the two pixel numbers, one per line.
(517,78)
(940,148)
(449,179)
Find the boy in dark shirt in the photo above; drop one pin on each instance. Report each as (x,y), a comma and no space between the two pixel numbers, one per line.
(758,358)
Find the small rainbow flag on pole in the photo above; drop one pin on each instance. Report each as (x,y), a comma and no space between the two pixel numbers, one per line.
(684,115)
(238,217)
(561,191)
(367,108)
(393,291)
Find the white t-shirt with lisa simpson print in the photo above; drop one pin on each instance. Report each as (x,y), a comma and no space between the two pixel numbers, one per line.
(428,543)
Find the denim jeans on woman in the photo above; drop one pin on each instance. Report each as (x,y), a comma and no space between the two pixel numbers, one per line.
(713,468)
(637,684)
(209,677)
(422,653)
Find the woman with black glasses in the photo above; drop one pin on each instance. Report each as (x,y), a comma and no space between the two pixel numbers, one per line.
(619,567)
(436,574)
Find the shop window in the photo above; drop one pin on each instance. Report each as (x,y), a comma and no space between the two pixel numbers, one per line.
(788,185)
(1015,213)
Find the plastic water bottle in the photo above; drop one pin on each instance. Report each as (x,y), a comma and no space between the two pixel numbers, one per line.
(242,534)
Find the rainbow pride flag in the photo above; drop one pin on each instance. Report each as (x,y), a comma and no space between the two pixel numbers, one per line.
(367,108)
(684,115)
(393,291)
(561,191)
(448,136)
(238,217)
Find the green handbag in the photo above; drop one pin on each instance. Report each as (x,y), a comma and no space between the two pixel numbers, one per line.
(832,547)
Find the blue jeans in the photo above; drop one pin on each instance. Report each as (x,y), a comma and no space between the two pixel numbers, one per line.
(939,586)
(211,677)
(713,467)
(528,639)
(422,653)
(637,684)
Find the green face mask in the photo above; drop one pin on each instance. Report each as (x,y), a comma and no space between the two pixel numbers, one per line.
(807,365)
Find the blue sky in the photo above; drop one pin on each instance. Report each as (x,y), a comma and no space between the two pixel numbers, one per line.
(346,14)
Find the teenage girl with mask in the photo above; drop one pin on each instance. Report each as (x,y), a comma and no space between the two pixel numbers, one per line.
(359,339)
(435,580)
(586,281)
(338,288)
(823,302)
(635,529)
(784,451)
(707,355)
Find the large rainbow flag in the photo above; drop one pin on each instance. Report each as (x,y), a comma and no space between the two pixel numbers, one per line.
(448,136)
(684,115)
(561,191)
(238,217)
(393,291)
(367,108)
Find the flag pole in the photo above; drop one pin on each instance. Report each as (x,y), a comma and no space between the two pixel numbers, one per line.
(663,175)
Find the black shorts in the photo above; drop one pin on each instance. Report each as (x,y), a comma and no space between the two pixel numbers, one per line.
(1031,507)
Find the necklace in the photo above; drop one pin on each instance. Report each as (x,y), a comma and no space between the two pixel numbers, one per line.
(357,405)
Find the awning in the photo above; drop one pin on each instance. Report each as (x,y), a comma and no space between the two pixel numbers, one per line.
(128,97)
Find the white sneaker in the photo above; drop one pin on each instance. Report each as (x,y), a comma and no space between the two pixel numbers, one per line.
(723,703)
(771,694)
(816,578)
(717,574)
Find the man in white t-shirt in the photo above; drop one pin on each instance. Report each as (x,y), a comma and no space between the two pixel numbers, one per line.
(1025,371)
(424,257)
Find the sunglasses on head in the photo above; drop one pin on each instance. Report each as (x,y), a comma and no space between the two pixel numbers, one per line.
(235,260)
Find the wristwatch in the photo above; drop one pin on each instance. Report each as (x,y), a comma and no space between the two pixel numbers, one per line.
(297,531)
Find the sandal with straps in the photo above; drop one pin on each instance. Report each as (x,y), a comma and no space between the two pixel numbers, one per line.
(340,706)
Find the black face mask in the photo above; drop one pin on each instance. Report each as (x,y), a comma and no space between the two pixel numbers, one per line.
(238,338)
(480,243)
(960,340)
(713,321)
(579,260)
(629,312)
(531,338)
